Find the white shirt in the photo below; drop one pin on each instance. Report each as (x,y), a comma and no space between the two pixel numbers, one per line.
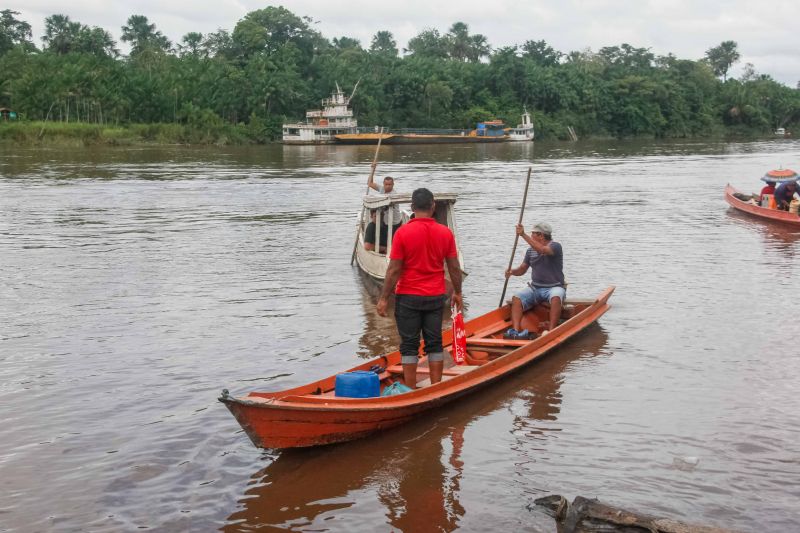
(396,217)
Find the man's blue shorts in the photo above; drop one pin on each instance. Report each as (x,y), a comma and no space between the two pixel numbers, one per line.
(530,296)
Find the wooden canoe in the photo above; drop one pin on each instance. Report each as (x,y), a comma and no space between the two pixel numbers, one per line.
(758,211)
(311,415)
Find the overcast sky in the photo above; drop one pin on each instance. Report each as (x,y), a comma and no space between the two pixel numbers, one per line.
(768,33)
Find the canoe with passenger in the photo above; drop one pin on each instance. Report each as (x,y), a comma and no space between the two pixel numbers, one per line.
(776,200)
(316,413)
(379,211)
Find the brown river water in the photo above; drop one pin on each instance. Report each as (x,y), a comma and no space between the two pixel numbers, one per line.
(136,284)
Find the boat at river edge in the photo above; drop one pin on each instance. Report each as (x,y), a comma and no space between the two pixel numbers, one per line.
(524,131)
(491,131)
(322,125)
(373,262)
(334,123)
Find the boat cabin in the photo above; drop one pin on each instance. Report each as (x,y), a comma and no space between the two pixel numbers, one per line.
(322,125)
(491,128)
(524,130)
(375,261)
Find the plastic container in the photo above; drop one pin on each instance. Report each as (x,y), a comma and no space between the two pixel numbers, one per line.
(794,206)
(358,384)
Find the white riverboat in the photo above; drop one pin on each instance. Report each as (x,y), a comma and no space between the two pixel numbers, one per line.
(524,131)
(374,262)
(321,125)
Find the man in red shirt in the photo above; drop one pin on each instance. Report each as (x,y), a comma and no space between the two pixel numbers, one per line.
(420,249)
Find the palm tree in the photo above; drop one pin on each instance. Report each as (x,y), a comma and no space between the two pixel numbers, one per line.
(143,35)
(722,57)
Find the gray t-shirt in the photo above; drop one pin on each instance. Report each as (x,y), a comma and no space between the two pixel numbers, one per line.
(395,210)
(546,270)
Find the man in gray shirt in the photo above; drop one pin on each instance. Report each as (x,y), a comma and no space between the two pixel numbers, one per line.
(388,189)
(546,260)
(369,238)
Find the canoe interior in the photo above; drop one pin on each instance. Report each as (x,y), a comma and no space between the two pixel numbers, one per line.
(485,343)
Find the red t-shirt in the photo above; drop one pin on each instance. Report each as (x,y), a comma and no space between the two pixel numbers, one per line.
(768,189)
(422,245)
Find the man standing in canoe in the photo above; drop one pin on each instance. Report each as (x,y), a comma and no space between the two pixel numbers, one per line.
(546,260)
(388,189)
(419,252)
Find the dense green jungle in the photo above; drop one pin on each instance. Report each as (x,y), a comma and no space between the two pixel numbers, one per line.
(239,86)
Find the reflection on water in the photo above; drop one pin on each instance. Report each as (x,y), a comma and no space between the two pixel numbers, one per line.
(778,237)
(410,477)
(380,333)
(136,283)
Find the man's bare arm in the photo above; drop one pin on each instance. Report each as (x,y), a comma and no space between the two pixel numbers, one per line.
(454,269)
(389,283)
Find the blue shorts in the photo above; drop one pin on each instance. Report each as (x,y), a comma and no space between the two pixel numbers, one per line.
(530,296)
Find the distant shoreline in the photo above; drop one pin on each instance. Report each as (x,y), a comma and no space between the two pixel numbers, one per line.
(78,134)
(40,133)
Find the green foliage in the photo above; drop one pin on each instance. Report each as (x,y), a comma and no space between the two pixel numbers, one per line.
(541,53)
(143,36)
(239,86)
(14,32)
(63,36)
(267,30)
(82,134)
(383,44)
(722,57)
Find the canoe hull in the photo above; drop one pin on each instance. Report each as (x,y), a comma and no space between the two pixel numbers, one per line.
(297,428)
(763,213)
(303,417)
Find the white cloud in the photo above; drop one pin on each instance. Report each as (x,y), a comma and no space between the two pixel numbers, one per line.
(766,33)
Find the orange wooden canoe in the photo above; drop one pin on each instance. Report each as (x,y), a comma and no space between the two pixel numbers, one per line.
(311,415)
(756,210)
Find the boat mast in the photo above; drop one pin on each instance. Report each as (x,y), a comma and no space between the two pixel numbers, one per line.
(354,90)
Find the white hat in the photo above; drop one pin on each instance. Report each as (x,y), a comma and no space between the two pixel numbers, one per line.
(543,227)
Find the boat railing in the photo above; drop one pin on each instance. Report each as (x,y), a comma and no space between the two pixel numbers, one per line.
(415,131)
(337,99)
(329,113)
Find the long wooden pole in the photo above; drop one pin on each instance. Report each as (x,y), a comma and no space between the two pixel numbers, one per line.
(516,237)
(369,180)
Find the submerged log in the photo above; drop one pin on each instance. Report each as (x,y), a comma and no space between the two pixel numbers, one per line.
(590,516)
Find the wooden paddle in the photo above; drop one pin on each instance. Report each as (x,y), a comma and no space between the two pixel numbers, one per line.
(369,180)
(516,237)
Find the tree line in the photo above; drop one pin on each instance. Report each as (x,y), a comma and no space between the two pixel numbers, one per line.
(273,66)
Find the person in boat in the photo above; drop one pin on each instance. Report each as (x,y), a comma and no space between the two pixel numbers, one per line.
(546,261)
(769,188)
(416,276)
(387,188)
(369,234)
(784,194)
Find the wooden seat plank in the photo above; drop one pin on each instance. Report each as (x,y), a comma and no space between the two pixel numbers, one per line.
(452,371)
(497,327)
(471,341)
